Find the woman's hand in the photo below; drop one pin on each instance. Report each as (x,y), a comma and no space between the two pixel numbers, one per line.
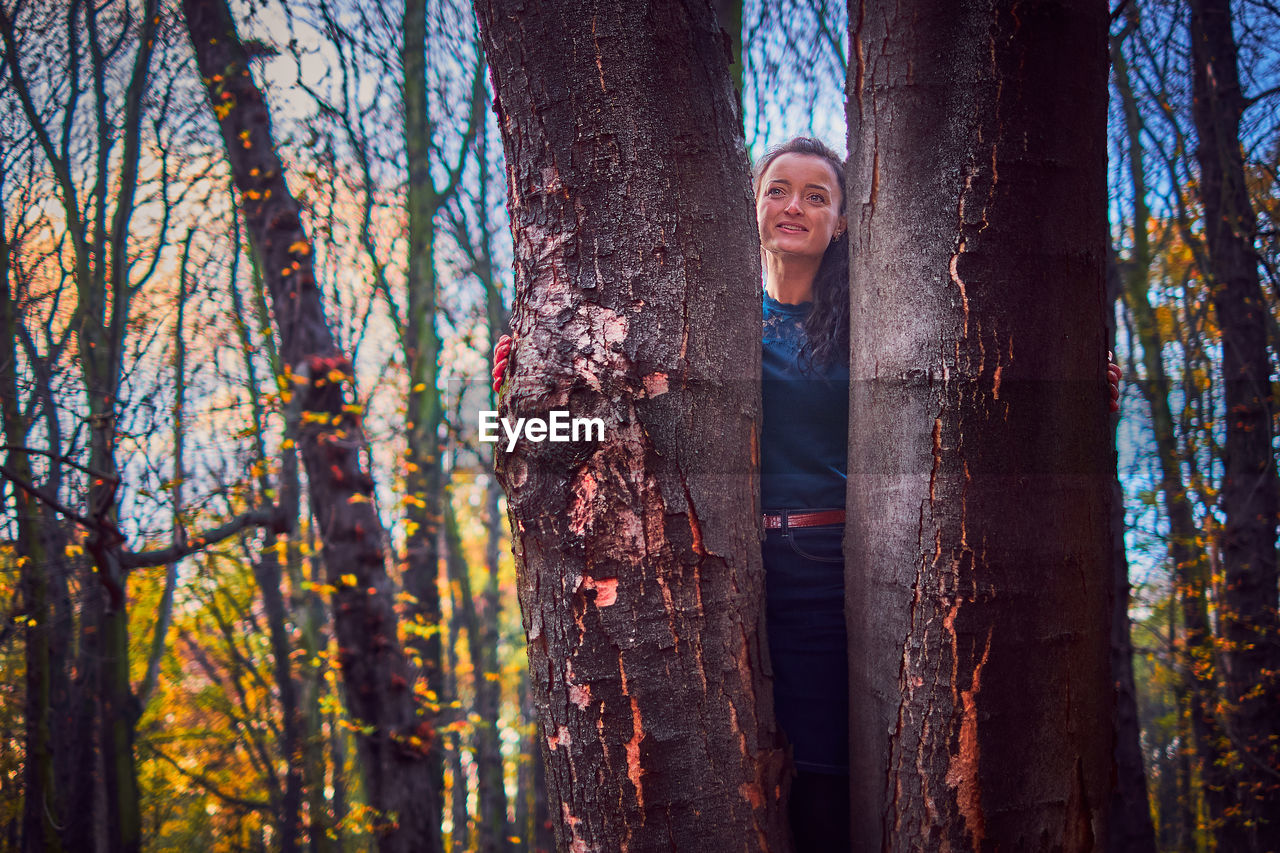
(1113,378)
(502,352)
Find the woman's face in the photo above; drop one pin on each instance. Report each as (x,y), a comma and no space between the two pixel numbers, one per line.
(798,206)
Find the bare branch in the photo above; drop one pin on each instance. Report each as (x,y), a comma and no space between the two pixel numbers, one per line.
(21,482)
(65,460)
(262,517)
(206,783)
(1248,102)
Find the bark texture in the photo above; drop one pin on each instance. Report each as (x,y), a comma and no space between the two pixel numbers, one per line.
(1249,623)
(638,302)
(978,548)
(396,743)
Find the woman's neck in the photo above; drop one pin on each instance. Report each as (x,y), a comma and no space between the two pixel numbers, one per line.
(789,278)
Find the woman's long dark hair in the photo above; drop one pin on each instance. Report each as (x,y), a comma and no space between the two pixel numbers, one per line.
(827,327)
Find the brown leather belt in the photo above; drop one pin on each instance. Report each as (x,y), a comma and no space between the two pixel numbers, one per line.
(790,518)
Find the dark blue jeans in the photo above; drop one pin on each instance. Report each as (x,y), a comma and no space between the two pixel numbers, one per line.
(819,813)
(804,607)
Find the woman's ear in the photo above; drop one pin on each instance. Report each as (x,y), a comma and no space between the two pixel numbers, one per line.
(839,232)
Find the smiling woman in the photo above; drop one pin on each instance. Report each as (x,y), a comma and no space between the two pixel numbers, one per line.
(798,213)
(799,193)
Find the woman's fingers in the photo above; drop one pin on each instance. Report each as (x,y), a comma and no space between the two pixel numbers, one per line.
(501,354)
(499,368)
(1114,376)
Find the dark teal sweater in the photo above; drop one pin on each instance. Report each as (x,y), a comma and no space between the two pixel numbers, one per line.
(805,418)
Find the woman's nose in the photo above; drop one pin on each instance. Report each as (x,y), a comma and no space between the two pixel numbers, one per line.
(793,204)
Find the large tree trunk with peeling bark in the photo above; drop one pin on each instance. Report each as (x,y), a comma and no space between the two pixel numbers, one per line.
(1248,617)
(637,302)
(395,746)
(978,548)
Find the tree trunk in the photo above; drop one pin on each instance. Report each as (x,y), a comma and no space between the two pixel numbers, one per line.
(1129,822)
(397,736)
(1196,663)
(637,302)
(533,817)
(491,824)
(487,666)
(1248,623)
(978,550)
(729,15)
(42,807)
(424,478)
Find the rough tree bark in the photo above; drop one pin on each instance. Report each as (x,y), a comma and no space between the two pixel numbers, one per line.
(637,301)
(978,547)
(395,748)
(1249,621)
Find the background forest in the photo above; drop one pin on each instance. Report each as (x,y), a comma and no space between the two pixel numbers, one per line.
(180,669)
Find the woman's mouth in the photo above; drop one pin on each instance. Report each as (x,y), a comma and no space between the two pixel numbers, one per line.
(792,228)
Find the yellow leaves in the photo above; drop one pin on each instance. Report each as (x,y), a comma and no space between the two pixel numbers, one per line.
(348,580)
(253,195)
(353,727)
(419,388)
(413,500)
(335,375)
(1165,322)
(74,550)
(223,109)
(300,248)
(417,629)
(358,499)
(287,444)
(310,417)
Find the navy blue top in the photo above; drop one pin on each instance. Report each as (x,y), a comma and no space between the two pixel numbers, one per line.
(805,418)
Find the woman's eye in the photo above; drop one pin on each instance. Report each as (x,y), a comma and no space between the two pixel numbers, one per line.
(817,199)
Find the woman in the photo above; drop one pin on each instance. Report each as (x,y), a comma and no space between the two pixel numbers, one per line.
(799,192)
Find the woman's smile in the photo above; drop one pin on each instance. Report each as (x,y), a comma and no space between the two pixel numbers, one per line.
(798,207)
